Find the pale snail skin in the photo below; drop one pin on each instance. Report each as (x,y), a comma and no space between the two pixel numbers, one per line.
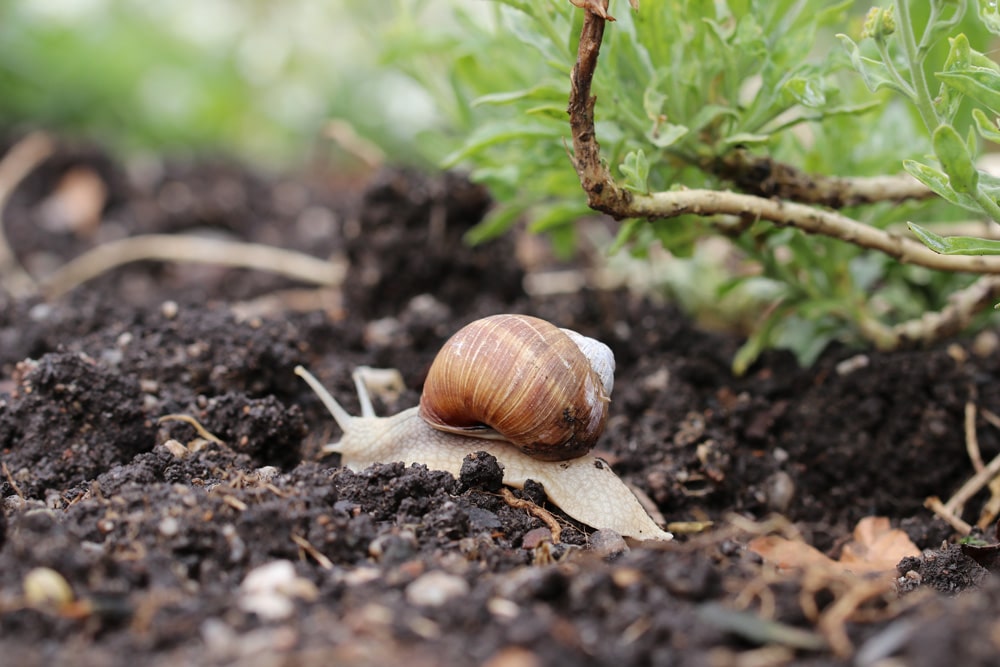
(584,487)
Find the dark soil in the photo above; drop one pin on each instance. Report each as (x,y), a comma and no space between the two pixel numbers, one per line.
(156,529)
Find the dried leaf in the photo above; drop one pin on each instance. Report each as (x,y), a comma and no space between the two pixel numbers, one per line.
(76,204)
(598,7)
(787,553)
(876,548)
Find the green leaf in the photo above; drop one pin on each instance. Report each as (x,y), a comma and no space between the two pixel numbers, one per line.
(955,245)
(665,134)
(937,180)
(746,139)
(761,338)
(626,233)
(499,132)
(959,56)
(806,335)
(557,215)
(708,114)
(635,169)
(989,14)
(806,91)
(544,91)
(873,72)
(496,222)
(555,111)
(980,83)
(953,154)
(653,101)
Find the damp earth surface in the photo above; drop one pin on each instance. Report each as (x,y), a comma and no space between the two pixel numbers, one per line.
(166,499)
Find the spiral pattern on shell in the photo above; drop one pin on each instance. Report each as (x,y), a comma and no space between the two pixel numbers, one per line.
(520,379)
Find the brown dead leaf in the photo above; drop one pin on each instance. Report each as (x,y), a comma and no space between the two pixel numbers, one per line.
(787,553)
(598,7)
(76,204)
(876,548)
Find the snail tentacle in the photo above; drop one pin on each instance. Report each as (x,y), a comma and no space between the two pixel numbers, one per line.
(336,410)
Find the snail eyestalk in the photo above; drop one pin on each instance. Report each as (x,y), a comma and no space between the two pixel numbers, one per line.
(336,410)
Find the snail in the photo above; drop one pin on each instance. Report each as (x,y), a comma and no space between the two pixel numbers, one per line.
(517,387)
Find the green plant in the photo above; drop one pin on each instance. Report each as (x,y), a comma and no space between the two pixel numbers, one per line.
(697,99)
(967,75)
(258,79)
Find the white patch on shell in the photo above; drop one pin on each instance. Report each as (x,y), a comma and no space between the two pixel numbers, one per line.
(602,360)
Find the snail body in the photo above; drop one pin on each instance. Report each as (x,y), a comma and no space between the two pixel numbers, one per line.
(582,485)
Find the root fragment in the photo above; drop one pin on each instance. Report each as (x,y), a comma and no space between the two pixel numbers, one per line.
(535,511)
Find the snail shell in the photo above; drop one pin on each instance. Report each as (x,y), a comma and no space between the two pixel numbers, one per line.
(523,380)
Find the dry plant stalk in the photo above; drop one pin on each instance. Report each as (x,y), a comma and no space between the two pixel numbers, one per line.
(180,248)
(535,511)
(23,158)
(604,195)
(987,475)
(27,154)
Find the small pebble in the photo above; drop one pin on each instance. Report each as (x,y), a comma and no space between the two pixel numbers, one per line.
(269,590)
(503,609)
(855,363)
(985,344)
(513,656)
(44,587)
(608,544)
(176,449)
(535,536)
(382,333)
(779,490)
(435,588)
(626,576)
(169,526)
(266,474)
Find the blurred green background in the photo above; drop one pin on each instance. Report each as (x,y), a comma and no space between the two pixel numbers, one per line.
(257,79)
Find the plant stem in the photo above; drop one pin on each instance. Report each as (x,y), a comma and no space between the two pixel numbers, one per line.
(922,97)
(988,204)
(925,39)
(904,86)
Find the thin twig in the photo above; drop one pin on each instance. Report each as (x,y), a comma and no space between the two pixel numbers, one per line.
(971,439)
(603,194)
(316,554)
(535,511)
(963,305)
(179,248)
(991,417)
(343,133)
(833,620)
(934,504)
(188,419)
(764,176)
(659,205)
(973,485)
(991,507)
(23,158)
(10,480)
